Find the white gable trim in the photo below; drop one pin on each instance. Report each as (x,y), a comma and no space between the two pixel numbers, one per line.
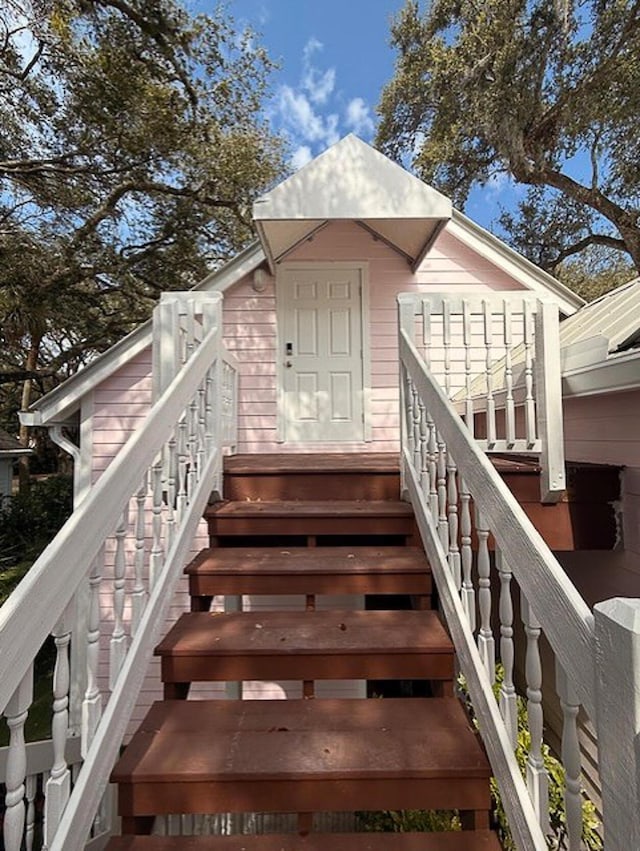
(510,261)
(61,403)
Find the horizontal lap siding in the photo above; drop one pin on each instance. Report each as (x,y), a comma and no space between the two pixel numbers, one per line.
(121,405)
(250,327)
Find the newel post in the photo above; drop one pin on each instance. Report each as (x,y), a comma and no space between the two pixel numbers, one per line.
(617,638)
(549,402)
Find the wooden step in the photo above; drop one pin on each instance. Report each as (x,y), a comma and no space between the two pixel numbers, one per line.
(311,518)
(477,840)
(303,756)
(353,476)
(299,645)
(308,570)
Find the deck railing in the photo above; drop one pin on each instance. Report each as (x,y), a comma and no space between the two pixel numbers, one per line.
(481,545)
(146,506)
(496,356)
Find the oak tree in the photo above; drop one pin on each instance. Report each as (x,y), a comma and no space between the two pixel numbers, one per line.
(132,144)
(544,91)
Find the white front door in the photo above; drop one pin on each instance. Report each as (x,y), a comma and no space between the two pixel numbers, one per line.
(320,340)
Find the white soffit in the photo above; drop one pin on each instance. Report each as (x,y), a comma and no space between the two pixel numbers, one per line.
(351,181)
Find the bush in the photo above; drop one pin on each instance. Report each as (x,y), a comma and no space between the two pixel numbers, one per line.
(28,522)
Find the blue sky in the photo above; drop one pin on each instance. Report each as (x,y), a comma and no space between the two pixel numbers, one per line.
(334,58)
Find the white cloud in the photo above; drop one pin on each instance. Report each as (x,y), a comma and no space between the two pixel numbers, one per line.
(301,156)
(300,116)
(319,84)
(358,118)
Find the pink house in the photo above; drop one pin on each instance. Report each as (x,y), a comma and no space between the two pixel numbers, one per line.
(366,317)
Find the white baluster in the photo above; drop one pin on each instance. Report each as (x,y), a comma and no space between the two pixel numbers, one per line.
(491,405)
(468,378)
(192,445)
(486,643)
(183,462)
(209,411)
(529,402)
(58,786)
(118,642)
(426,330)
(452,512)
(171,452)
(138,594)
(446,339)
(202,441)
(156,556)
(92,704)
(571,759)
(416,428)
(16,716)
(31,787)
(433,468)
(468,595)
(537,781)
(508,697)
(510,410)
(443,524)
(424,450)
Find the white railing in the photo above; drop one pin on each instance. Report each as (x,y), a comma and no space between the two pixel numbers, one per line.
(497,357)
(480,543)
(147,506)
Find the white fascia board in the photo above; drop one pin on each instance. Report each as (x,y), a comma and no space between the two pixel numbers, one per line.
(58,405)
(613,375)
(510,261)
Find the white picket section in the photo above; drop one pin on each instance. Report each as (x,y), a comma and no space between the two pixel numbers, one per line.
(148,503)
(498,353)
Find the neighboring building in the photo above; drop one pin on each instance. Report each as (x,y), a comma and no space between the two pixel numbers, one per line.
(10,450)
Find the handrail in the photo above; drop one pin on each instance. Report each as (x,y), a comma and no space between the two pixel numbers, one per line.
(42,596)
(444,474)
(148,502)
(534,566)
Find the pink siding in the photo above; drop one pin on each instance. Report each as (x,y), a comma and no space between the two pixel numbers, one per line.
(603,429)
(121,404)
(250,328)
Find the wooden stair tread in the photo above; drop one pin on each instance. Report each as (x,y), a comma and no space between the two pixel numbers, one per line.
(313,560)
(477,840)
(307,508)
(298,740)
(306,633)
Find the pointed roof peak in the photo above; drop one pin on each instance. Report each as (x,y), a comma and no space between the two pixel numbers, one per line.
(351,180)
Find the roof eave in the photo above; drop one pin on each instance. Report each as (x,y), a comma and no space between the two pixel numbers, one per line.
(508,259)
(616,374)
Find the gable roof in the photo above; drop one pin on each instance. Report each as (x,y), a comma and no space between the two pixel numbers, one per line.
(400,209)
(351,181)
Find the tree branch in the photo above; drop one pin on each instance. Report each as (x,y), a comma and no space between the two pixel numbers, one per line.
(591,239)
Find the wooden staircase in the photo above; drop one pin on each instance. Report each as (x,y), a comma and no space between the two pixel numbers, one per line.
(336,529)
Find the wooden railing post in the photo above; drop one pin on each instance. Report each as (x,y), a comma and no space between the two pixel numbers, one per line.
(617,641)
(549,402)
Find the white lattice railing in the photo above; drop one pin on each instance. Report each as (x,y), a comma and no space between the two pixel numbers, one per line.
(497,356)
(480,543)
(146,505)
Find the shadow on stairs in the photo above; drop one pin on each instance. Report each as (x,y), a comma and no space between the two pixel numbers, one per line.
(326,528)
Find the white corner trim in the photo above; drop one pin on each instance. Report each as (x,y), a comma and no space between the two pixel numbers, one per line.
(510,261)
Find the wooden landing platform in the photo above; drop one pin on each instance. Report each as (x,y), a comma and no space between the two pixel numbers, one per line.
(480,840)
(317,755)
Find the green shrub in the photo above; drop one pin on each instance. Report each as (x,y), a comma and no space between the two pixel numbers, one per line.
(409,821)
(556,773)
